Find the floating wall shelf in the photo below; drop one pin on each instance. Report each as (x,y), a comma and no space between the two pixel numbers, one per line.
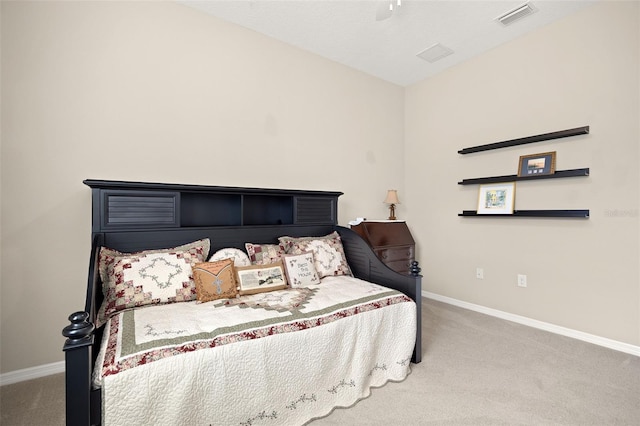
(511,178)
(529,139)
(532,213)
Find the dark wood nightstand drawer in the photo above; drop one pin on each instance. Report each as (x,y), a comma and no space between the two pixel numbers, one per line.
(401,266)
(395,253)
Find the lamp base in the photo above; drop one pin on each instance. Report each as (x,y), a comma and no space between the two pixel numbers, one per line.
(392,212)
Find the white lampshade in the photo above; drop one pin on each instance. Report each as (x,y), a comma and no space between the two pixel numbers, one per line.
(392,197)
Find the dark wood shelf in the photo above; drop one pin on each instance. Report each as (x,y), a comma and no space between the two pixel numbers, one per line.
(127,205)
(532,213)
(511,178)
(529,139)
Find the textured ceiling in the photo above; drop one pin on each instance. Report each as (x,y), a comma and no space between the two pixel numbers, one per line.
(348,32)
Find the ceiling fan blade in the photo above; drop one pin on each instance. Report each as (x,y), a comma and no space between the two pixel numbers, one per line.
(383,11)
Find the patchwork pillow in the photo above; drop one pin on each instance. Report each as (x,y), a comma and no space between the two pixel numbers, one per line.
(239,257)
(264,254)
(261,278)
(108,257)
(215,280)
(328,253)
(300,269)
(149,277)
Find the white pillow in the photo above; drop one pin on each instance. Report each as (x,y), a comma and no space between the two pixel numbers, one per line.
(239,257)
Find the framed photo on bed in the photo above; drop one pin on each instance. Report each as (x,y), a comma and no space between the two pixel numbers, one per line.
(497,198)
(261,278)
(537,164)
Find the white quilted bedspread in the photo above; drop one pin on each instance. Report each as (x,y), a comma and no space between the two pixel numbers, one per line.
(277,358)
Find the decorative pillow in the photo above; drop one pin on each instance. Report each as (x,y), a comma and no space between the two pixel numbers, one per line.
(239,257)
(264,254)
(300,269)
(328,253)
(148,277)
(215,280)
(261,278)
(109,256)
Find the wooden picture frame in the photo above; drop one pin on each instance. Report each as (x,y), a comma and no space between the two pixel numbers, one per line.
(537,164)
(261,278)
(497,198)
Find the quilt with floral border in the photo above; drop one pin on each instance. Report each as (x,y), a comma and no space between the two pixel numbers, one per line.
(278,358)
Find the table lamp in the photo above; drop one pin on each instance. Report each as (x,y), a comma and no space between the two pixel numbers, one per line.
(392,200)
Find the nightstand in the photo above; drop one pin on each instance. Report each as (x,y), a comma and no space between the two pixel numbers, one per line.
(391,241)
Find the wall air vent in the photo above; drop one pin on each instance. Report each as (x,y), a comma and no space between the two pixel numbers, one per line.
(434,53)
(515,14)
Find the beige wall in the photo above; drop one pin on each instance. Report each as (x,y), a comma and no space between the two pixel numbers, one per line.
(155,91)
(159,92)
(582,274)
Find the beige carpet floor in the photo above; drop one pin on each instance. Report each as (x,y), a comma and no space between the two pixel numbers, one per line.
(476,370)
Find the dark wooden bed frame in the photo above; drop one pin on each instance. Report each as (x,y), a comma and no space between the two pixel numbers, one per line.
(135,216)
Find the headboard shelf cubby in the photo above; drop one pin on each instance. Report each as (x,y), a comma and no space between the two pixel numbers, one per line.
(125,205)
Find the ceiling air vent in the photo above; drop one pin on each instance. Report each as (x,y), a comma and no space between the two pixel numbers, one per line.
(434,53)
(513,15)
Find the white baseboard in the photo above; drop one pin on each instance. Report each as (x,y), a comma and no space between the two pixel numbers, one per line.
(31,373)
(586,337)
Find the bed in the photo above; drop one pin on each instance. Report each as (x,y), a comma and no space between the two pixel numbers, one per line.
(304,330)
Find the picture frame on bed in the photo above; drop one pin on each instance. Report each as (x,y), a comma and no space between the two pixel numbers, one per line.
(498,198)
(537,164)
(261,278)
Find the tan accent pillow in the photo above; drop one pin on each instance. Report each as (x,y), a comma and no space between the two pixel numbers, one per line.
(215,280)
(261,278)
(300,269)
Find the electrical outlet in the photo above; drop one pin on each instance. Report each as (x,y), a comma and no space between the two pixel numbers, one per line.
(480,273)
(522,280)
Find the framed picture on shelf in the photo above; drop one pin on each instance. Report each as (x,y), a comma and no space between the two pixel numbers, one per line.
(537,164)
(497,198)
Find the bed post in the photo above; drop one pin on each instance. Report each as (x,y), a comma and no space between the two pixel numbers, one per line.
(78,356)
(78,350)
(415,274)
